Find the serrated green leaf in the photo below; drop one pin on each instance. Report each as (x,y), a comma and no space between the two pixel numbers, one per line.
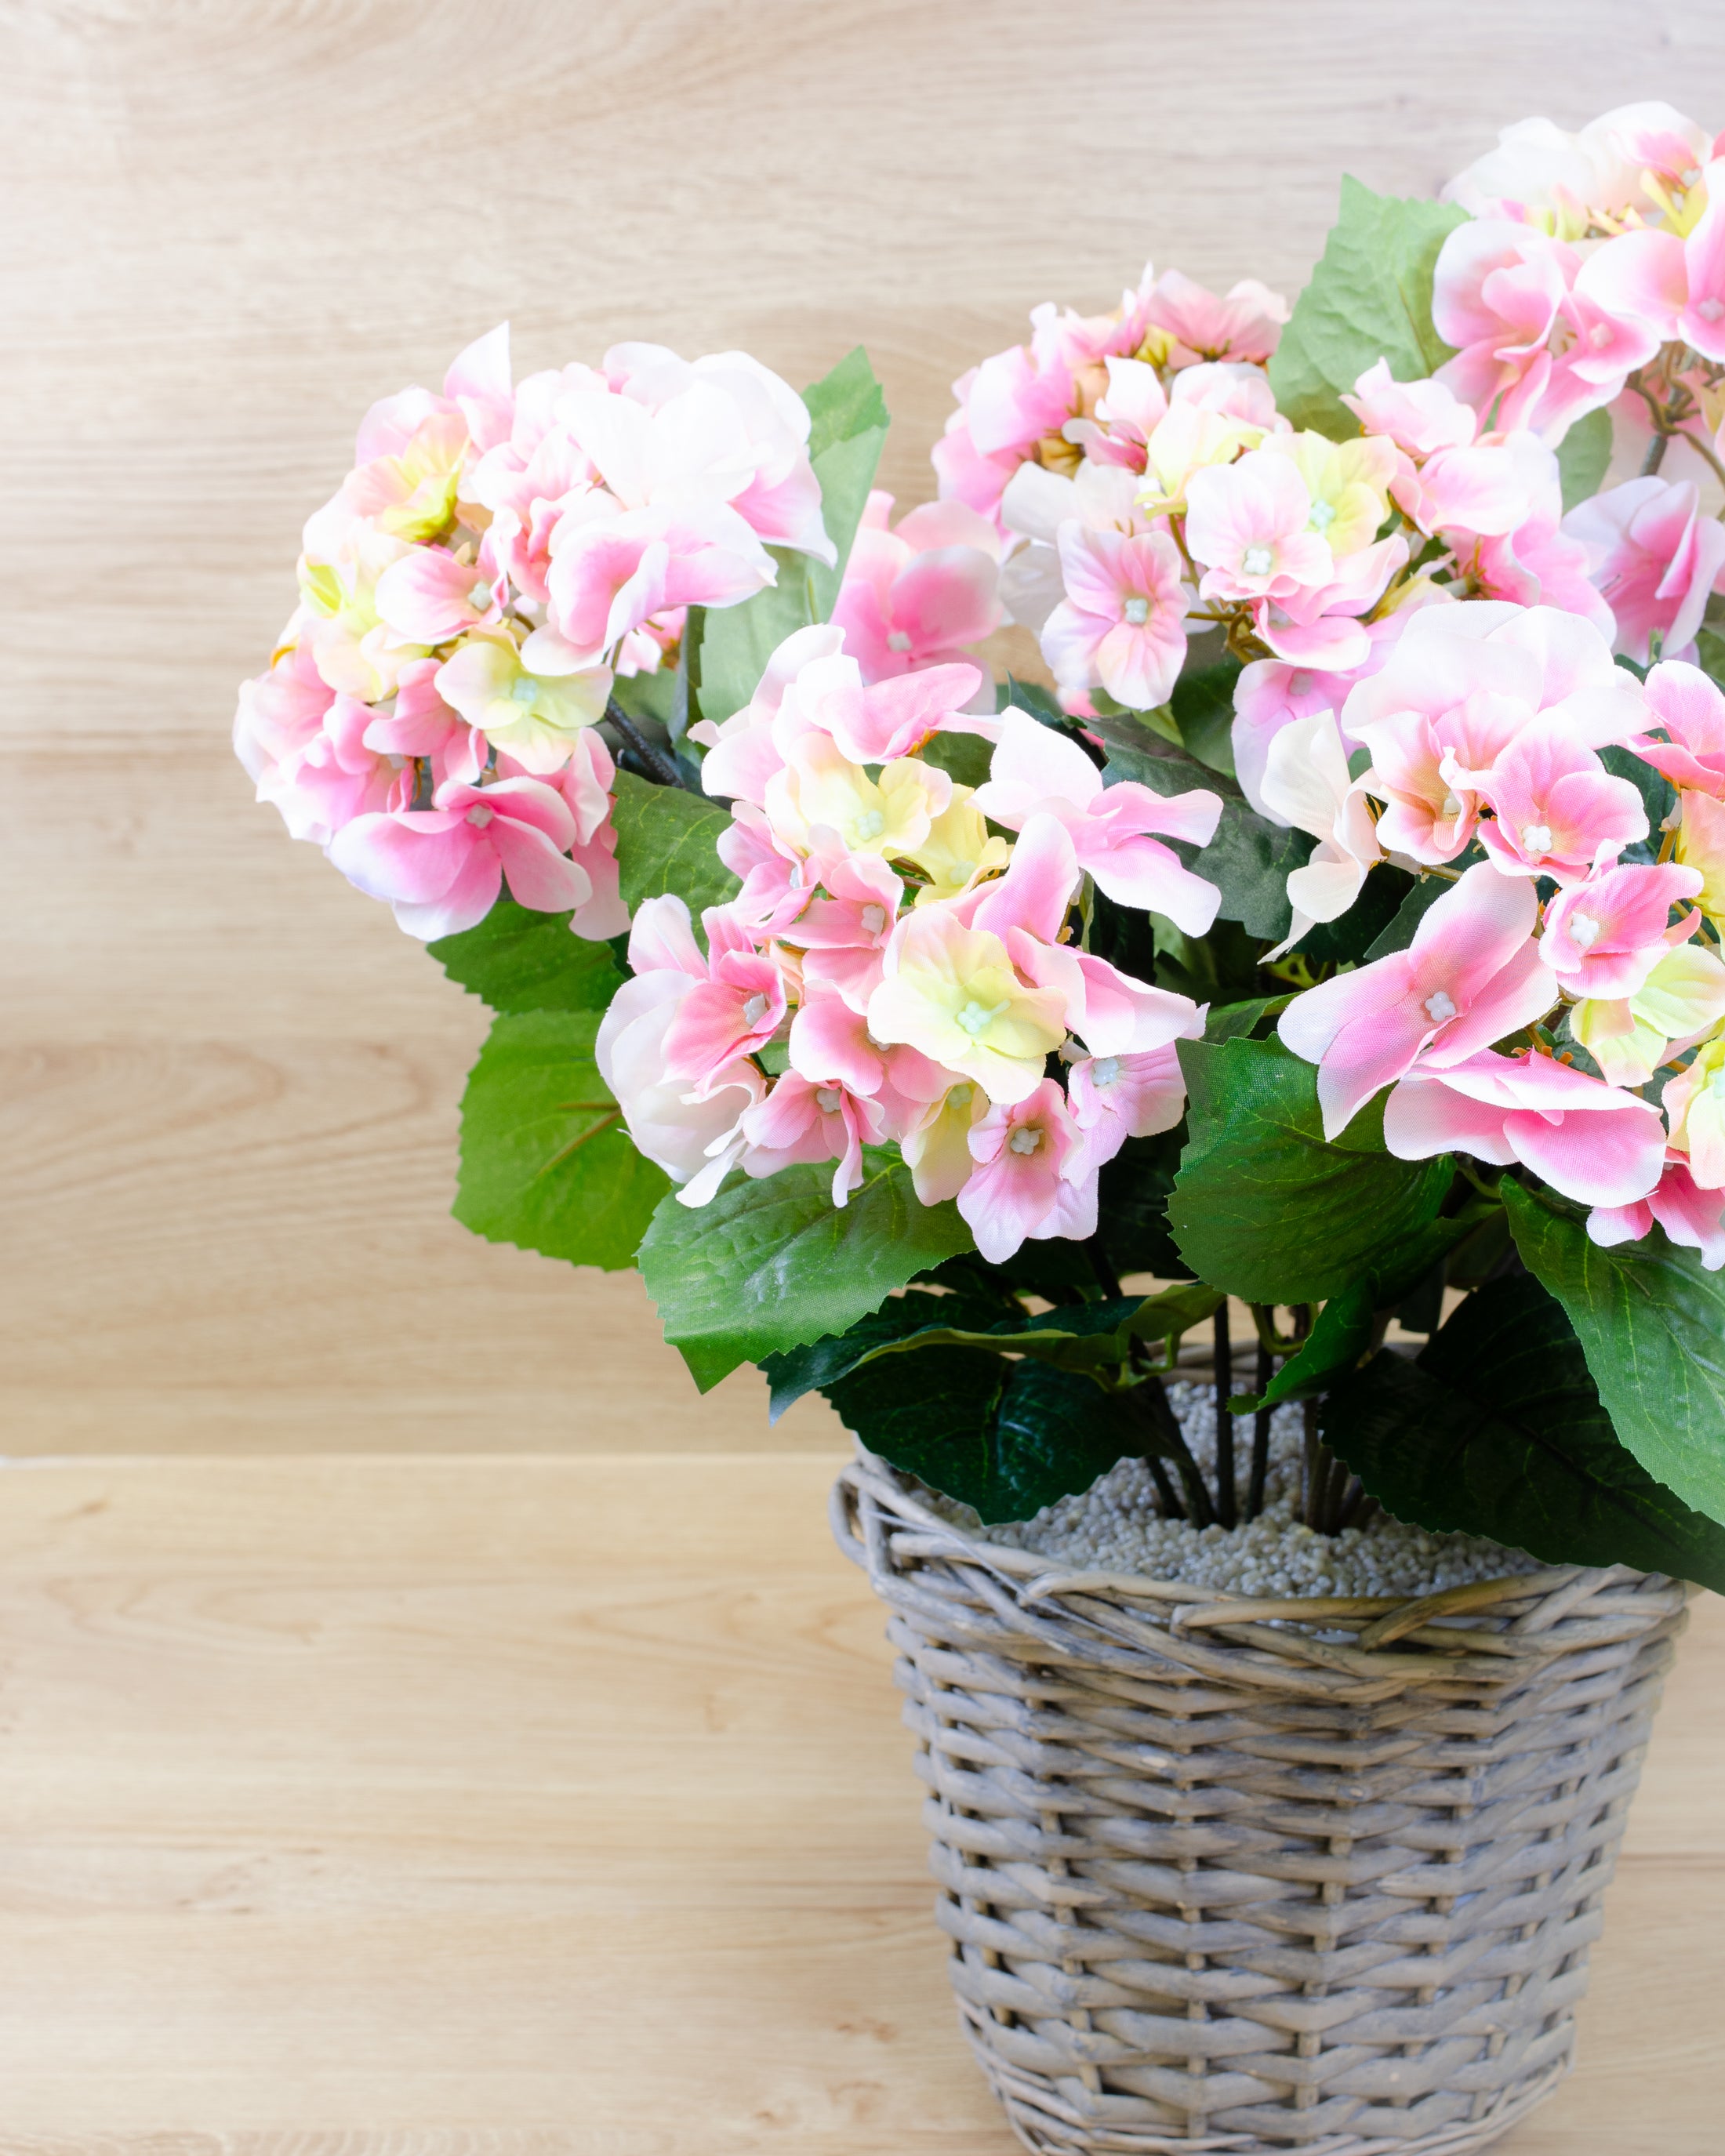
(1369,299)
(848,422)
(1650,1320)
(772,1265)
(1007,1438)
(1583,456)
(546,1160)
(1497,1429)
(822,1362)
(666,841)
(518,961)
(1241,1020)
(1263,1206)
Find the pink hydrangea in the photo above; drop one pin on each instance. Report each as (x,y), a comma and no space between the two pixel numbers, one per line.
(1654,558)
(916,596)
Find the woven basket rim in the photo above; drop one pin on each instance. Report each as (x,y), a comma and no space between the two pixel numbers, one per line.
(1519,1621)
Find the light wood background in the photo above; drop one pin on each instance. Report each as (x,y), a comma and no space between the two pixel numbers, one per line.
(395,1807)
(227,1096)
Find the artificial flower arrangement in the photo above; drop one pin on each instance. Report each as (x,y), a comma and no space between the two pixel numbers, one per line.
(1341,933)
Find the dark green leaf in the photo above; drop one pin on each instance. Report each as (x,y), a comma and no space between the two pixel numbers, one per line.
(775,1264)
(1132,1199)
(1249,860)
(1343,1330)
(1710,655)
(1244,1020)
(963,758)
(1032,697)
(666,842)
(1651,1322)
(649,697)
(1369,299)
(545,1161)
(1083,1336)
(821,1364)
(848,424)
(518,961)
(1007,1438)
(1497,1429)
(1583,456)
(1262,1206)
(1219,968)
(1203,704)
(1415,904)
(1373,914)
(1658,797)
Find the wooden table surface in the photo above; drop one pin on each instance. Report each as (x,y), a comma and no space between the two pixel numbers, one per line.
(511,1807)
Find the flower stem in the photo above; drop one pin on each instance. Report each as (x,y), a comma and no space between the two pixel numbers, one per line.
(1260,1436)
(1227,1505)
(664,770)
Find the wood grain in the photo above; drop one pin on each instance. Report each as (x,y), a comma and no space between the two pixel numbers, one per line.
(228,1085)
(434,1808)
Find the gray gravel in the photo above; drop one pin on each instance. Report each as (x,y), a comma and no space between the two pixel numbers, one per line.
(1115,1526)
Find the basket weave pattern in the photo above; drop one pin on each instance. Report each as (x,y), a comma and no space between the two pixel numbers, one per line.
(1224,1875)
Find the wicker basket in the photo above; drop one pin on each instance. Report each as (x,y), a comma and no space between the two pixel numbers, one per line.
(1253,1875)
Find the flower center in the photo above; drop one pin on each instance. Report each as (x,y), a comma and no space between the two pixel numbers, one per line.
(1440,1008)
(1136,610)
(1105,1071)
(958,1096)
(1600,336)
(960,873)
(1258,561)
(526,688)
(870,825)
(873,919)
(828,1099)
(1583,930)
(1299,684)
(755,1010)
(480,815)
(1452,808)
(977,1017)
(898,639)
(480,598)
(1711,310)
(1324,515)
(1025,1139)
(1536,838)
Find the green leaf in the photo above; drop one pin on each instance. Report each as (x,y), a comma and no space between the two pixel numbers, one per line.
(1203,704)
(820,1363)
(1658,795)
(518,961)
(1262,1206)
(1651,1322)
(1399,933)
(1369,299)
(545,1161)
(1241,1020)
(1007,1438)
(1032,697)
(1710,655)
(1249,860)
(848,422)
(964,757)
(1080,1336)
(1583,456)
(1497,1429)
(666,842)
(1345,941)
(1343,1329)
(772,1265)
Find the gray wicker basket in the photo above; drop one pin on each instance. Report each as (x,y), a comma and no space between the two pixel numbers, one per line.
(1239,1875)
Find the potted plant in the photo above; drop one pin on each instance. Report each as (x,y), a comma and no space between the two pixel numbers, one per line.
(1341,934)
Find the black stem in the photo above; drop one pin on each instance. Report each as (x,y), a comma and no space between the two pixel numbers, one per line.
(1227,1505)
(1102,1265)
(1199,1508)
(1260,1436)
(1312,1467)
(664,769)
(1172,1508)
